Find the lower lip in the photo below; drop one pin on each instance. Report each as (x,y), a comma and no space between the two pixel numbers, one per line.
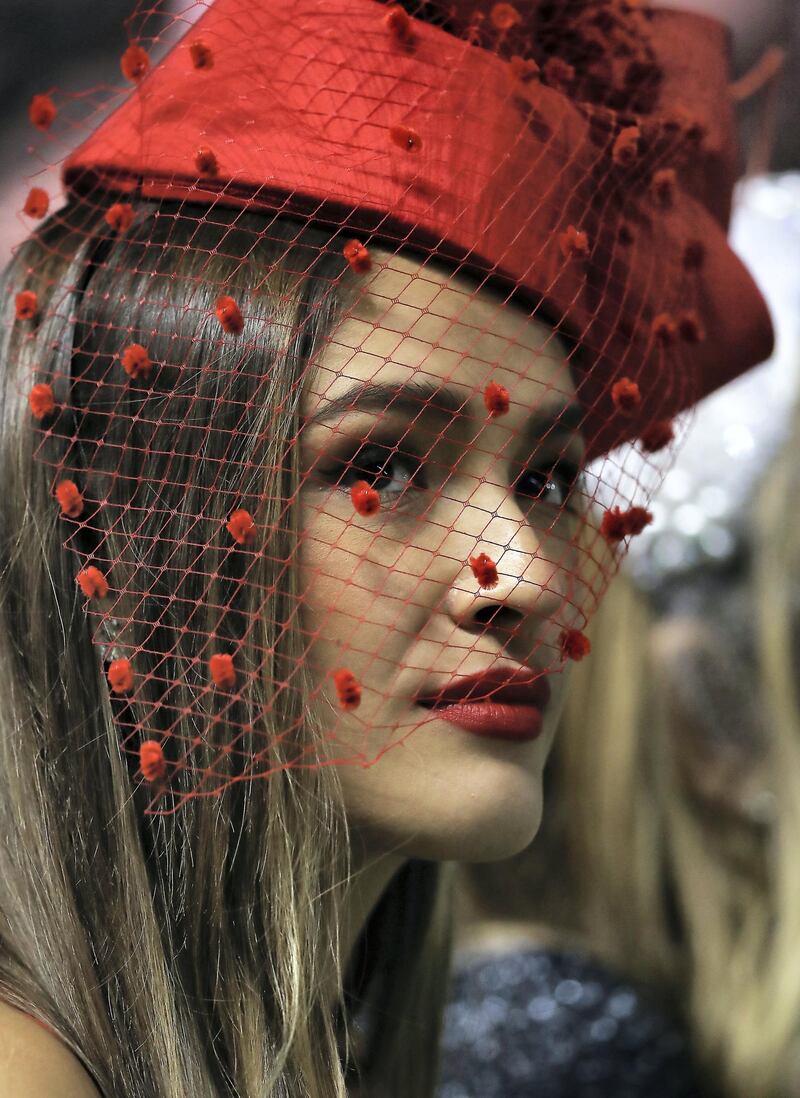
(493,719)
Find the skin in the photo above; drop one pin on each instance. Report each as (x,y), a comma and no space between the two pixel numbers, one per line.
(33,1061)
(392,597)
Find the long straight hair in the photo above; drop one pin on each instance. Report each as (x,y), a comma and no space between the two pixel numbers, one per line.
(193,953)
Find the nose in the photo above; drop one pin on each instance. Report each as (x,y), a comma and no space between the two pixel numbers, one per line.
(531,589)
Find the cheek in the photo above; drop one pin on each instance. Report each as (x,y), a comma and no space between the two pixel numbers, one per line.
(366,598)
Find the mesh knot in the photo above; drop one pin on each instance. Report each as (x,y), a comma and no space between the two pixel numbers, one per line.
(626,395)
(70,499)
(665,329)
(37,203)
(618,524)
(242,528)
(574,243)
(662,187)
(657,435)
(135,63)
(120,216)
(201,55)
(484,570)
(496,399)
(223,673)
(136,361)
(694,255)
(504,16)
(574,644)
(558,74)
(348,690)
(229,314)
(626,146)
(524,69)
(42,400)
(26,305)
(690,327)
(357,256)
(365,499)
(120,676)
(151,761)
(42,112)
(92,582)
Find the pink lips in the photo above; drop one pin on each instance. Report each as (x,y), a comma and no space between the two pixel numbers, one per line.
(501,704)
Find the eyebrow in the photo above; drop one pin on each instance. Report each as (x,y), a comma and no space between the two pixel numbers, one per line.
(415,396)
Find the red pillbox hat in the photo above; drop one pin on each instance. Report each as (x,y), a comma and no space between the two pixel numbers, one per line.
(583,154)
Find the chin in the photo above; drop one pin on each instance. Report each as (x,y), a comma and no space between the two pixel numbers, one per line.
(497,832)
(488,824)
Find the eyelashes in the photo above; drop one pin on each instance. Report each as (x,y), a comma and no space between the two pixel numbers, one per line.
(387,469)
(395,474)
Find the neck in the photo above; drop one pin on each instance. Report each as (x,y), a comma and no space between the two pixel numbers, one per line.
(371,876)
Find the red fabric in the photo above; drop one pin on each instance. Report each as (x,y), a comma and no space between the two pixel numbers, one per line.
(298,110)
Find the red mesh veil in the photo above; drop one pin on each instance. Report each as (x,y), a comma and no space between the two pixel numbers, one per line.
(354,318)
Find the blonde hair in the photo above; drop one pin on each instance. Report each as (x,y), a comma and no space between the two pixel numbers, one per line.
(194,953)
(767,1055)
(629,866)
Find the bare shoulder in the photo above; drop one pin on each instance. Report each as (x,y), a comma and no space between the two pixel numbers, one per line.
(34,1063)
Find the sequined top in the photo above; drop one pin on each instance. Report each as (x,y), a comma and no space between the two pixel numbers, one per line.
(555,1024)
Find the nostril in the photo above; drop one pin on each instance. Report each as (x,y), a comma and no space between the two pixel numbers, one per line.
(498,616)
(486,614)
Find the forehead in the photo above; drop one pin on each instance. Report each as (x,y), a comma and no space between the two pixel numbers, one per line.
(414,320)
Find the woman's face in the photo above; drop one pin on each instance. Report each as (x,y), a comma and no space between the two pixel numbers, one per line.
(396,399)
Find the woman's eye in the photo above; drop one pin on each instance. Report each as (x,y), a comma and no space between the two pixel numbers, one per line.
(384,469)
(555,486)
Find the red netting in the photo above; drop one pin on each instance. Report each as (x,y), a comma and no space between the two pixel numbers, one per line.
(352,356)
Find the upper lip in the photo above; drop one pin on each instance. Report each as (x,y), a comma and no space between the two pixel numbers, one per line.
(511,686)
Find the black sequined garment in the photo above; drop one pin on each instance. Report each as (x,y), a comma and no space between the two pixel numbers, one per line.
(555,1024)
